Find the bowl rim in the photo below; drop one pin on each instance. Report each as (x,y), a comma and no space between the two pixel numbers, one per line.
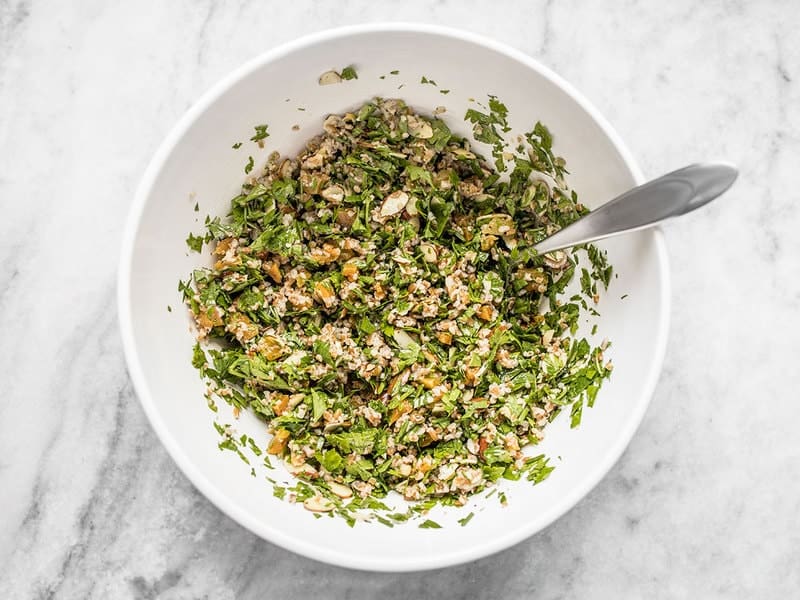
(264,530)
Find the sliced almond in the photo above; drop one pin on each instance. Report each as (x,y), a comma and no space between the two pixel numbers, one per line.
(333,193)
(394,203)
(318,504)
(419,128)
(340,490)
(428,252)
(556,259)
(329,77)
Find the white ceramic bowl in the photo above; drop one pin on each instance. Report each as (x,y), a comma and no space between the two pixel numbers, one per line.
(196,164)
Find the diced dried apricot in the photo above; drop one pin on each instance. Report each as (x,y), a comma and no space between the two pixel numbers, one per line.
(430,381)
(223,246)
(485,312)
(274,271)
(324,292)
(350,271)
(278,442)
(270,347)
(403,408)
(209,317)
(280,404)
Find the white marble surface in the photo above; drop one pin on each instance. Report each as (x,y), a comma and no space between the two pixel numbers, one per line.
(705,502)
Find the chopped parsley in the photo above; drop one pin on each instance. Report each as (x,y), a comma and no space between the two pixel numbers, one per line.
(195,242)
(260,135)
(428,524)
(349,73)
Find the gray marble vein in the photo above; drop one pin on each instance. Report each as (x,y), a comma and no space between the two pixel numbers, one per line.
(705,501)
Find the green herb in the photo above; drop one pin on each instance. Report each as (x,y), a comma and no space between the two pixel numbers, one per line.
(425,80)
(466,519)
(395,72)
(195,242)
(198,357)
(349,73)
(249,166)
(261,133)
(444,91)
(428,524)
(237,145)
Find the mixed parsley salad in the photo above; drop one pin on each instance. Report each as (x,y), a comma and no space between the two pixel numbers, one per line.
(377,301)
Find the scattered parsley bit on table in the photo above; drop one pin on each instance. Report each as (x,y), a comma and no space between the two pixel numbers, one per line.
(377,301)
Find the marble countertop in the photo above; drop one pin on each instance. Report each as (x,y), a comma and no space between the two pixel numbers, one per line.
(704,503)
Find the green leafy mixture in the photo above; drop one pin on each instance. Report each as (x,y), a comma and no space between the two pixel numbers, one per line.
(377,301)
